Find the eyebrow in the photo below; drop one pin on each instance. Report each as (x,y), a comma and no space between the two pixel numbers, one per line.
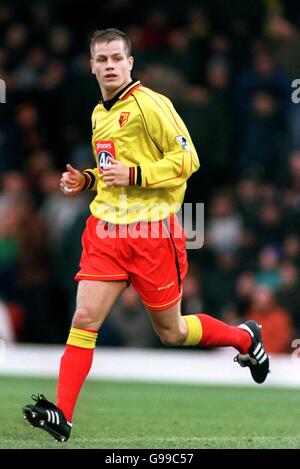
(104,56)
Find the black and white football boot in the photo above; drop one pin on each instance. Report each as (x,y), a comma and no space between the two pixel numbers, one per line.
(257,358)
(45,415)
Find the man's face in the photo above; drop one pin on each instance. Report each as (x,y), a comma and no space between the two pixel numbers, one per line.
(111,66)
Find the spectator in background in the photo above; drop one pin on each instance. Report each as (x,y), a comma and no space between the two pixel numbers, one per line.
(60,42)
(77,103)
(247,200)
(264,141)
(28,73)
(25,136)
(211,131)
(179,55)
(244,286)
(65,264)
(289,293)
(291,248)
(192,298)
(224,227)
(128,324)
(269,228)
(277,327)
(142,54)
(219,86)
(199,32)
(291,196)
(291,178)
(14,199)
(9,253)
(16,40)
(218,80)
(263,74)
(167,80)
(285,38)
(58,212)
(36,166)
(41,16)
(156,29)
(218,283)
(268,272)
(51,104)
(33,278)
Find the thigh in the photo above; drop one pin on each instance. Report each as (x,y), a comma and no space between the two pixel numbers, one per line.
(96,299)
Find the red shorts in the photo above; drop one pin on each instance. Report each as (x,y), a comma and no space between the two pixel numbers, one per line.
(150,256)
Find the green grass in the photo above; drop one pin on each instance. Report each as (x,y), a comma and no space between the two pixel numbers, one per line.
(155,415)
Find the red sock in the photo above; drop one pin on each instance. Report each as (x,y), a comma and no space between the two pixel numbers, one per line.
(74,367)
(217,333)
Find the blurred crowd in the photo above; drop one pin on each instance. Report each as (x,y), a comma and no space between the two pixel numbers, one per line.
(228,68)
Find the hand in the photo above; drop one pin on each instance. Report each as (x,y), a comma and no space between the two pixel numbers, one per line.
(116,174)
(72,181)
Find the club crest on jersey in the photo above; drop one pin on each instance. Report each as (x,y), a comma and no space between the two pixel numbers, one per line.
(182,142)
(104,149)
(124,116)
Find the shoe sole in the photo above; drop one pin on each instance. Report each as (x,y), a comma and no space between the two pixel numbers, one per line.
(38,422)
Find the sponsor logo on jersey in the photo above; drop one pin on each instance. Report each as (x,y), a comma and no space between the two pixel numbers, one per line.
(124,116)
(182,142)
(104,149)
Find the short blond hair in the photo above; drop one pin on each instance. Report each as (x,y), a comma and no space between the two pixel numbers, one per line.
(108,35)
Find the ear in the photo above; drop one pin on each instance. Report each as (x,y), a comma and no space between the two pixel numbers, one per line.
(92,66)
(130,61)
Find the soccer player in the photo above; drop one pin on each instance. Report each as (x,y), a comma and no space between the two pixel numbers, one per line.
(144,156)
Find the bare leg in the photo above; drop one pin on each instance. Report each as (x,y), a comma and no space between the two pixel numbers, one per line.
(169,325)
(94,302)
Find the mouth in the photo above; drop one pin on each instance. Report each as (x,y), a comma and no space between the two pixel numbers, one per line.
(110,76)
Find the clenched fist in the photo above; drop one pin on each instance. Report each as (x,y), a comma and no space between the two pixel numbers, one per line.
(72,181)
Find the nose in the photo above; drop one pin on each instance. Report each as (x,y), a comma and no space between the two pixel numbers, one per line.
(109,64)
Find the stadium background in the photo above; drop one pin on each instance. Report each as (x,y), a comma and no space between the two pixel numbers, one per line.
(228,67)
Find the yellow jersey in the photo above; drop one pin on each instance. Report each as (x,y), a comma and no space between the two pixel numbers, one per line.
(140,128)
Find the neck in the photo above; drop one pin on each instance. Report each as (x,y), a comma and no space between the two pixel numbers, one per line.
(109,94)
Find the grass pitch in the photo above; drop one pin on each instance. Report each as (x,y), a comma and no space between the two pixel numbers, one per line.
(155,415)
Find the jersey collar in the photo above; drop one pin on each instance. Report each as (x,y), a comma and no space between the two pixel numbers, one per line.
(123,94)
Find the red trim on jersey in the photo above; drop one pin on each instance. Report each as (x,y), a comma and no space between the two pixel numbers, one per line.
(131,175)
(131,91)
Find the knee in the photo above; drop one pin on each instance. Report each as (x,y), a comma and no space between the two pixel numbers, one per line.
(82,319)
